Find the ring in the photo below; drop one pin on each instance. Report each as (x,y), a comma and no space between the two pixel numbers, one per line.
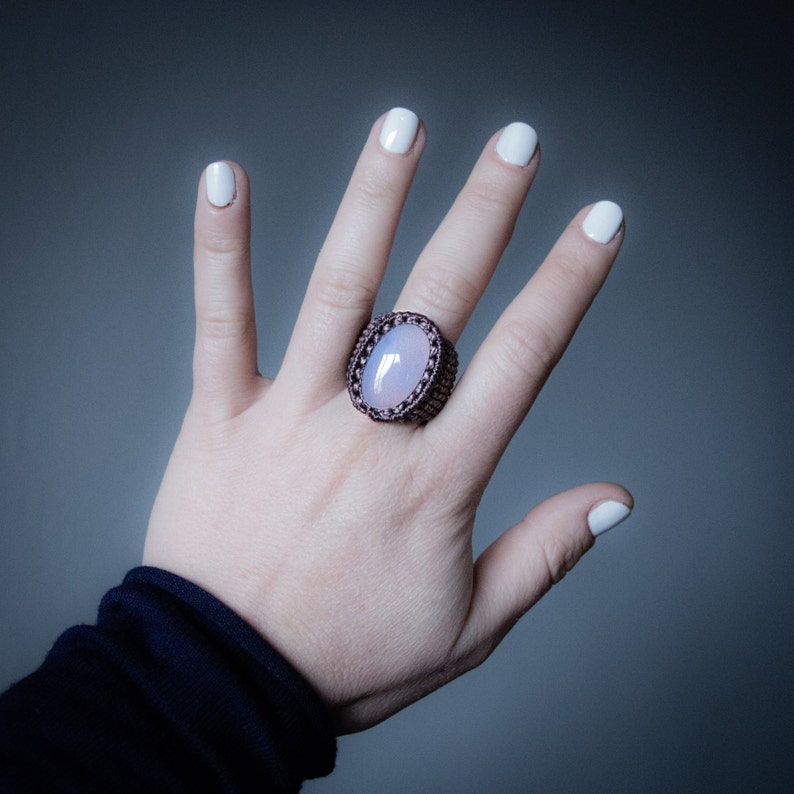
(402,369)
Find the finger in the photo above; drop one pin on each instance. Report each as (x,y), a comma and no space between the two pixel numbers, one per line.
(350,267)
(456,265)
(224,360)
(529,338)
(520,566)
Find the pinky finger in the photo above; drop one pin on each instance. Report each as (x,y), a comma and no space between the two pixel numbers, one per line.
(225,355)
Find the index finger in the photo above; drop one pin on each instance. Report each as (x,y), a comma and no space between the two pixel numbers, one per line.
(511,366)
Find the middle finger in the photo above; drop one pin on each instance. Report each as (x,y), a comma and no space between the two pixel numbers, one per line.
(457,263)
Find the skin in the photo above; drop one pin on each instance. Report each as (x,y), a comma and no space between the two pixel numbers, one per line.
(347,543)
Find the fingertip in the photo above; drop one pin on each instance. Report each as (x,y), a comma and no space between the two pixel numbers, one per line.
(603,222)
(399,130)
(222,220)
(223,184)
(606,515)
(609,510)
(517,144)
(219,184)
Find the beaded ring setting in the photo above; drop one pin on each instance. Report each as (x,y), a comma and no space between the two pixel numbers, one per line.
(402,369)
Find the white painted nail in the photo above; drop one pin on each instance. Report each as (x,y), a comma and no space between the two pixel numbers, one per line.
(220,184)
(606,516)
(517,143)
(399,130)
(603,221)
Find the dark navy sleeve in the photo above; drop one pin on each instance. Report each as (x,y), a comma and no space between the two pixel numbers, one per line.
(169,691)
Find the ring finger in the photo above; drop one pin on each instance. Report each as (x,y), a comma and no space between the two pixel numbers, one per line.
(350,266)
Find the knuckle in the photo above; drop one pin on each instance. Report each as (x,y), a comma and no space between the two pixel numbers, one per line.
(574,264)
(373,186)
(341,288)
(476,654)
(570,266)
(526,354)
(443,292)
(560,552)
(477,642)
(487,198)
(220,321)
(220,246)
(559,557)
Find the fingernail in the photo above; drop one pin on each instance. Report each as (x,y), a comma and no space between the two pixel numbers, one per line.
(220,184)
(517,143)
(606,516)
(603,221)
(399,130)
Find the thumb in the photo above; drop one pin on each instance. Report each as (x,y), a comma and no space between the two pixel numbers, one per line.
(521,565)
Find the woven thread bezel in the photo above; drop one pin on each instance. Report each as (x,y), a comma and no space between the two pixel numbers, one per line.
(435,385)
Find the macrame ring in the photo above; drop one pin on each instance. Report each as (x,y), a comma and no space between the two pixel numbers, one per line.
(402,369)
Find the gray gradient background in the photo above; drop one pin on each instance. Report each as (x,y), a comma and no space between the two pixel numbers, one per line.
(664,661)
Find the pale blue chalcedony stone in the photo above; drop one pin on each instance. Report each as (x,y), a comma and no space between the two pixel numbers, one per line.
(395,366)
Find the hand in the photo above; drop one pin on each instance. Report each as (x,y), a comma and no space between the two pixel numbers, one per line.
(347,543)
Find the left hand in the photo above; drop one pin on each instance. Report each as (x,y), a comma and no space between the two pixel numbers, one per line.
(345,542)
